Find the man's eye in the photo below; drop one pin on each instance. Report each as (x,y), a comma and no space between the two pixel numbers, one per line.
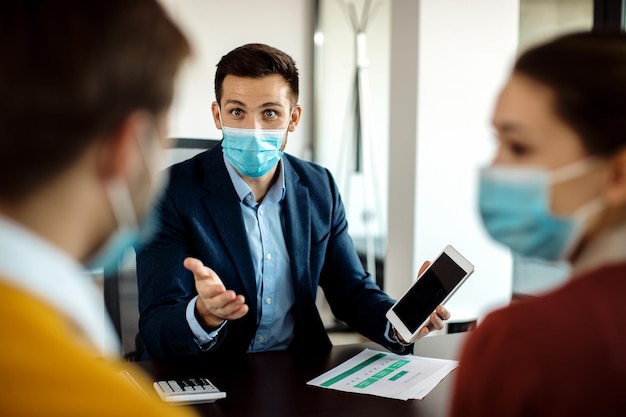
(270,113)
(236,112)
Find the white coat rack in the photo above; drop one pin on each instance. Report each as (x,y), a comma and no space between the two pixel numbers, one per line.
(360,149)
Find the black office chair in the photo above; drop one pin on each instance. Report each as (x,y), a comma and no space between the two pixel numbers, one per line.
(120,283)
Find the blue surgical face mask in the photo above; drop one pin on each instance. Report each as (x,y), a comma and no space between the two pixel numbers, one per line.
(131,231)
(253,152)
(515,208)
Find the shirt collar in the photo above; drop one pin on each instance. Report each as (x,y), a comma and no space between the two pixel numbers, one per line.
(275,194)
(35,265)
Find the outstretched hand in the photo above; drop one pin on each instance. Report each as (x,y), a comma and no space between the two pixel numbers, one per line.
(215,303)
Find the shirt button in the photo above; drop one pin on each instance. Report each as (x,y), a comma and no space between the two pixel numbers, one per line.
(260,212)
(261,339)
(269,256)
(248,197)
(268,300)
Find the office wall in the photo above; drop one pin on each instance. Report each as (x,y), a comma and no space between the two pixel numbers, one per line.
(449,59)
(217,26)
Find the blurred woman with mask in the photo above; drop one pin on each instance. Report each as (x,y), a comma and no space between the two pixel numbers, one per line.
(556,190)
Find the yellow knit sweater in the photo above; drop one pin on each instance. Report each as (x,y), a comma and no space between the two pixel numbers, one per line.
(48,369)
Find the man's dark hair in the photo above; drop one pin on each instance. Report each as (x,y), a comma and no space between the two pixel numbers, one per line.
(257,60)
(71,71)
(587,73)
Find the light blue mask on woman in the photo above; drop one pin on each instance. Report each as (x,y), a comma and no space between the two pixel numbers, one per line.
(515,207)
(253,152)
(131,231)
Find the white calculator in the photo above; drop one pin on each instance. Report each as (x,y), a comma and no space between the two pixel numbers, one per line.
(188,391)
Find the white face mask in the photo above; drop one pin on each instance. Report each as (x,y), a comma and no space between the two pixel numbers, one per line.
(130,231)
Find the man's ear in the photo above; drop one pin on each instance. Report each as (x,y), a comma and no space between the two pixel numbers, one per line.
(615,188)
(295,117)
(120,149)
(215,109)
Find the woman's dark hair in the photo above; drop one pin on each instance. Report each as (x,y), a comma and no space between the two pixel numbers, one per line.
(257,60)
(587,73)
(71,71)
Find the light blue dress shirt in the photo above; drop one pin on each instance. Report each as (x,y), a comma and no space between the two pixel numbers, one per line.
(274,287)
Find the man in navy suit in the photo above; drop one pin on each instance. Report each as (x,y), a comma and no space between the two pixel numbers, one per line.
(271,227)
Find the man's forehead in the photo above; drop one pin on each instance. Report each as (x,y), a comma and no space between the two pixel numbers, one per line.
(271,90)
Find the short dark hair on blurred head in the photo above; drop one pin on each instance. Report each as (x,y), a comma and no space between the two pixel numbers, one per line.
(587,73)
(257,60)
(70,72)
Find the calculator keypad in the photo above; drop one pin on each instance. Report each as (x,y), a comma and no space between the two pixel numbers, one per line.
(188,390)
(187,385)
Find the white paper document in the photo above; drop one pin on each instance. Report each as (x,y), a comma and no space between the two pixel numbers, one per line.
(386,374)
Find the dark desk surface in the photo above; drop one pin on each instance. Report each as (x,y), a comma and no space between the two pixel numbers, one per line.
(274,384)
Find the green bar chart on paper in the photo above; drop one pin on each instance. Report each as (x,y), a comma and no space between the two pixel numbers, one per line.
(383,373)
(386,374)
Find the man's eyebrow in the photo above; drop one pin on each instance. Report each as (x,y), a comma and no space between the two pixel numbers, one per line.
(235,102)
(264,105)
(272,104)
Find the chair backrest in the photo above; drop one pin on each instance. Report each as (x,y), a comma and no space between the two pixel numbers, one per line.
(181,149)
(120,283)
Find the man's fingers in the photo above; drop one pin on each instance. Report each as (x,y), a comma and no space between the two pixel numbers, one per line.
(423,268)
(224,299)
(226,306)
(234,310)
(197,268)
(201,272)
(435,322)
(443,313)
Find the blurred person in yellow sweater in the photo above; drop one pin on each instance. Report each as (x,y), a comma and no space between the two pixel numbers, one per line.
(85,88)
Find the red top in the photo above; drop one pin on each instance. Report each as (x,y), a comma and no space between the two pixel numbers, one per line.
(562,354)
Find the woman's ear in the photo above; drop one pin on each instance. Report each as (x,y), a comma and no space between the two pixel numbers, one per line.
(615,188)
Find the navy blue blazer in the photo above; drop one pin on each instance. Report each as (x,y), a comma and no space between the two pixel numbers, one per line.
(201,217)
